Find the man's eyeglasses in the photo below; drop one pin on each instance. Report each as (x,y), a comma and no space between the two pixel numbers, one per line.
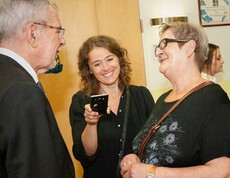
(61,30)
(163,43)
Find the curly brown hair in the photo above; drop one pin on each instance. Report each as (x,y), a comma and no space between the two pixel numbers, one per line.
(89,84)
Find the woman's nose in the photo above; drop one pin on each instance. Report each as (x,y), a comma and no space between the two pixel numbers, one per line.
(105,65)
(222,61)
(158,53)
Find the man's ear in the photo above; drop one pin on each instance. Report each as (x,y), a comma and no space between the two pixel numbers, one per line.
(190,47)
(32,34)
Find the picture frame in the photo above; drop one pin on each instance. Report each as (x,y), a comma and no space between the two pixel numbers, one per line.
(214,12)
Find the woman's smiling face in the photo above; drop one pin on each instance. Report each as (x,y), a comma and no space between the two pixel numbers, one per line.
(104,65)
(171,56)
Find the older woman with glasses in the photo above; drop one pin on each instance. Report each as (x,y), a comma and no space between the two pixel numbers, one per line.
(192,139)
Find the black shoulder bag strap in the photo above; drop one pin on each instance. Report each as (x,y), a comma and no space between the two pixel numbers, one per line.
(121,154)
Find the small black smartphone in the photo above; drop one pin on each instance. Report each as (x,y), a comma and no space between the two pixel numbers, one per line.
(99,103)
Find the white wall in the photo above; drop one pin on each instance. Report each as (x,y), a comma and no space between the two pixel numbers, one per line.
(219,35)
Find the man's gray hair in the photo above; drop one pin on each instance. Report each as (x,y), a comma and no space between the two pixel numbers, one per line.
(15,14)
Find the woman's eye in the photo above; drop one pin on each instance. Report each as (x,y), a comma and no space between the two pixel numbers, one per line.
(109,59)
(97,64)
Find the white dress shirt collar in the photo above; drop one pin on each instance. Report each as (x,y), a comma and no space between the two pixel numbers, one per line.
(20,61)
(208,77)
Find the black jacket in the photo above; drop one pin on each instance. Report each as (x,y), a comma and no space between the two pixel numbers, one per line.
(31,145)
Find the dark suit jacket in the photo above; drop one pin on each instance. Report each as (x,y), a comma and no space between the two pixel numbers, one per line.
(31,145)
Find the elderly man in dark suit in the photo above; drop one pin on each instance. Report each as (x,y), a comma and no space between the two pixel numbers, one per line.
(31,145)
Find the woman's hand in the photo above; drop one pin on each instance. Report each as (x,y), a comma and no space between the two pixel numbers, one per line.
(91,117)
(127,162)
(135,170)
(129,159)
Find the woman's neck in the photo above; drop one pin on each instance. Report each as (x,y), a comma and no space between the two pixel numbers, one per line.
(113,91)
(181,87)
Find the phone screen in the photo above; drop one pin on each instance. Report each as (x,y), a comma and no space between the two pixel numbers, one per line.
(99,103)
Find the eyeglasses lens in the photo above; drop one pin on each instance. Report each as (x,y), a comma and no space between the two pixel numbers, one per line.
(163,44)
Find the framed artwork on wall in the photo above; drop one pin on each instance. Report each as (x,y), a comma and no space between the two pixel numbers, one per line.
(214,12)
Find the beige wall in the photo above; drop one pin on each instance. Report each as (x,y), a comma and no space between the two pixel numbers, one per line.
(83,18)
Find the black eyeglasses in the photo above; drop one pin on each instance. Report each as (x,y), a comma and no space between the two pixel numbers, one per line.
(60,29)
(163,43)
